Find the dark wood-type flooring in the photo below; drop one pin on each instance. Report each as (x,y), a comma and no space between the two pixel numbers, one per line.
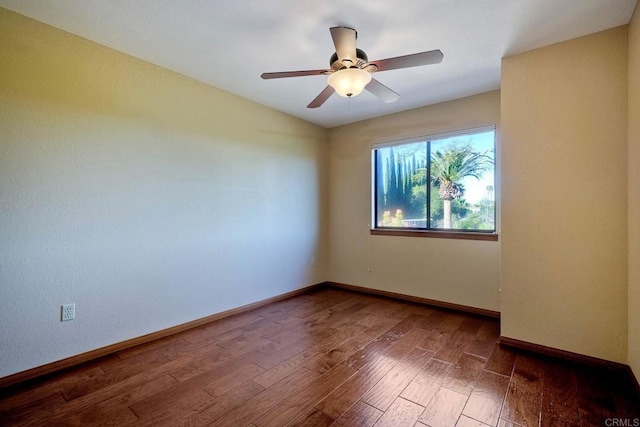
(328,357)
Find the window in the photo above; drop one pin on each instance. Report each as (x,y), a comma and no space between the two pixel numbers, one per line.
(441,183)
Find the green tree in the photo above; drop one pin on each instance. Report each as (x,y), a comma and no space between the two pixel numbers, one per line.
(418,202)
(392,191)
(380,184)
(449,167)
(459,209)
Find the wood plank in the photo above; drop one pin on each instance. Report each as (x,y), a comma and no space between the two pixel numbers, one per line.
(502,360)
(490,329)
(560,394)
(182,396)
(383,394)
(405,325)
(379,325)
(220,405)
(401,413)
(286,368)
(434,340)
(524,396)
(359,414)
(627,399)
(504,423)
(289,327)
(166,408)
(433,319)
(276,354)
(73,384)
(104,416)
(250,331)
(188,351)
(428,381)
(284,324)
(338,354)
(371,318)
(313,418)
(385,308)
(117,374)
(465,421)
(487,397)
(295,405)
(404,344)
(317,306)
(117,409)
(471,324)
(216,358)
(485,339)
(596,402)
(465,374)
(232,378)
(444,409)
(344,396)
(39,400)
(454,348)
(213,332)
(365,355)
(268,399)
(451,322)
(243,343)
(552,420)
(353,318)
(14,408)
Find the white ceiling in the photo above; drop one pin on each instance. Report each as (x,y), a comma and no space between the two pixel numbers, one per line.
(229,43)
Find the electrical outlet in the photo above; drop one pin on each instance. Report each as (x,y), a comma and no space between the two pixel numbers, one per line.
(68,312)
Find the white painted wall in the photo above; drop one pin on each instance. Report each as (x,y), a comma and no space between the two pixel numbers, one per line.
(144,197)
(634,192)
(564,194)
(457,271)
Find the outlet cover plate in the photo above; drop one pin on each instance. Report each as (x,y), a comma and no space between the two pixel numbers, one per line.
(68,312)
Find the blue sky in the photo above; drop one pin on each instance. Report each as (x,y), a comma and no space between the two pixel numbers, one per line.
(475,190)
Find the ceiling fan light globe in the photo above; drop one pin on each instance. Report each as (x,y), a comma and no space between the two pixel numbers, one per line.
(349,82)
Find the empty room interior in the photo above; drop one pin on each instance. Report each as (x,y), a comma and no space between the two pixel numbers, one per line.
(194,232)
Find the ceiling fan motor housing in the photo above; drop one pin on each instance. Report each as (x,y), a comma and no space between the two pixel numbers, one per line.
(361,61)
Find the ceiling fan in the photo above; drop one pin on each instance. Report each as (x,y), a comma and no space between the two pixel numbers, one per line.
(350,71)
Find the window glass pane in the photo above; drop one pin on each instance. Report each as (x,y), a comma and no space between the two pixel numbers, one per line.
(462,182)
(401,182)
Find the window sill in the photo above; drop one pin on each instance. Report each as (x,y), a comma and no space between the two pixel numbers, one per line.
(464,235)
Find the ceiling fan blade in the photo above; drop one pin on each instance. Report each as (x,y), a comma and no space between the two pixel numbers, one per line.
(381,91)
(344,39)
(282,74)
(322,97)
(414,60)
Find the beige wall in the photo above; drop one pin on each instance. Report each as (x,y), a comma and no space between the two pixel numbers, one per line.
(120,180)
(634,193)
(457,271)
(564,211)
(146,198)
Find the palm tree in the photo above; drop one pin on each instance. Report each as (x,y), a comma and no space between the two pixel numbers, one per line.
(450,167)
